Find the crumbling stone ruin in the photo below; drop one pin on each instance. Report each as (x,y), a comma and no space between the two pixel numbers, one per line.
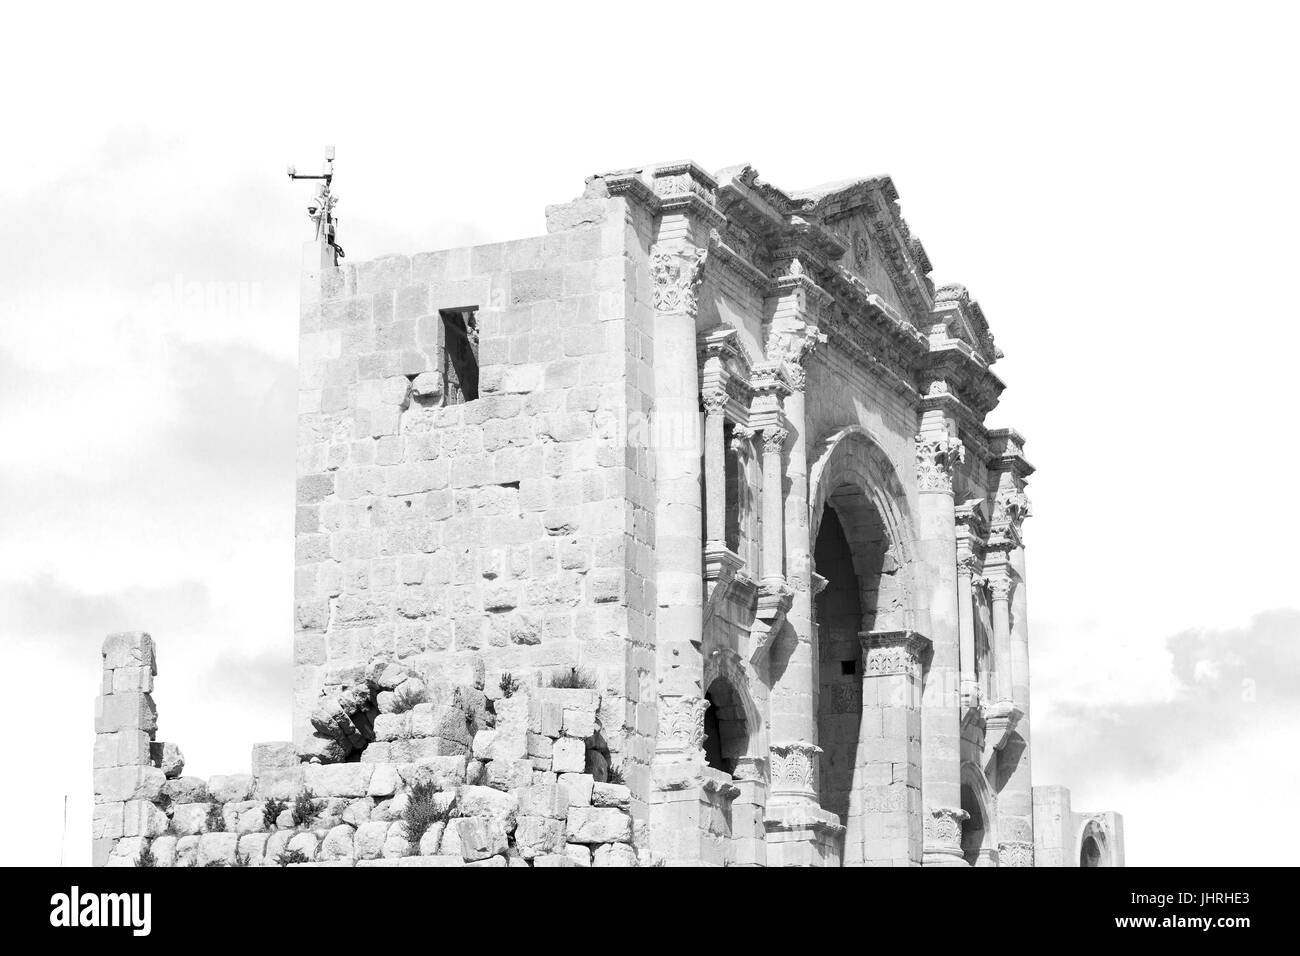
(674,536)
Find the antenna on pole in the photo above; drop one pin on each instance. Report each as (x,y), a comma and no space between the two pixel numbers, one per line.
(321,206)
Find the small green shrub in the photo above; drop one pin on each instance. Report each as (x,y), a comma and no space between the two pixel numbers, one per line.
(271,811)
(216,863)
(615,775)
(422,810)
(216,821)
(146,858)
(574,677)
(291,856)
(509,685)
(304,807)
(242,859)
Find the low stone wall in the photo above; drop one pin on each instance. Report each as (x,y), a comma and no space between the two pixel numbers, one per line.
(427,774)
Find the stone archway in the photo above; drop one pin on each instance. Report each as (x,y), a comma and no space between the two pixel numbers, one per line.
(979,830)
(861,542)
(1094,847)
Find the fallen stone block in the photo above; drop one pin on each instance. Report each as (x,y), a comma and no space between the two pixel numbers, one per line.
(168,758)
(480,838)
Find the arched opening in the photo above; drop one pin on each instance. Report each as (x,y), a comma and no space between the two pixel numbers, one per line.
(973,827)
(726,733)
(1090,853)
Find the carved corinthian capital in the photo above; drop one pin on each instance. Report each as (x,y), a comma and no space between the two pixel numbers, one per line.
(794,770)
(677,271)
(1010,508)
(774,437)
(1017,853)
(936,458)
(788,347)
(681,723)
(943,827)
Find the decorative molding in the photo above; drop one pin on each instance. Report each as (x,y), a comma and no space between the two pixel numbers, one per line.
(774,437)
(890,653)
(936,459)
(714,400)
(1000,586)
(943,827)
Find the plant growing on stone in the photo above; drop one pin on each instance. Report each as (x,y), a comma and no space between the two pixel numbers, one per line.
(243,859)
(216,863)
(304,807)
(289,857)
(509,684)
(574,677)
(422,810)
(146,858)
(408,695)
(271,811)
(216,821)
(615,774)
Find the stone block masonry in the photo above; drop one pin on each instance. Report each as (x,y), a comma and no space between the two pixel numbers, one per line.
(445,777)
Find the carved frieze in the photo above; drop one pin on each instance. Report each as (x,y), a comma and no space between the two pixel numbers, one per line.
(937,456)
(795,768)
(943,826)
(1015,853)
(681,723)
(677,273)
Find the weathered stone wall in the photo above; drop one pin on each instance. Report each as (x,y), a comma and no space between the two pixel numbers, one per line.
(510,533)
(520,781)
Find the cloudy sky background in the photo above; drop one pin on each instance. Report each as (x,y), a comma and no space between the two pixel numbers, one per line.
(1115,184)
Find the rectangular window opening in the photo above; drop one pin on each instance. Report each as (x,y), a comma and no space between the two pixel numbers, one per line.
(459,355)
(848,668)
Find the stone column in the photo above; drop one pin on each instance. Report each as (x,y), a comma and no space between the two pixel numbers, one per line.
(715,468)
(938,451)
(1015,803)
(1000,585)
(885,815)
(774,436)
(966,578)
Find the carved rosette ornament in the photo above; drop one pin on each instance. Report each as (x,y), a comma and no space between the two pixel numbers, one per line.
(943,827)
(794,769)
(936,458)
(677,273)
(1017,853)
(681,724)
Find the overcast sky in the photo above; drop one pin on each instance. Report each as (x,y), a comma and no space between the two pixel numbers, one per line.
(1115,185)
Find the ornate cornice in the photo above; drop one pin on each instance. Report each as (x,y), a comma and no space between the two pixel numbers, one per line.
(890,653)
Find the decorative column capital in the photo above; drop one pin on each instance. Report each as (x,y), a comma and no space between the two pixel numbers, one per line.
(677,270)
(681,725)
(774,437)
(795,766)
(943,829)
(937,457)
(1010,508)
(714,399)
(887,653)
(1015,853)
(742,439)
(1000,586)
(788,347)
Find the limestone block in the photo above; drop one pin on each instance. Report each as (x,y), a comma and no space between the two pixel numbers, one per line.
(580,723)
(384,781)
(446,722)
(512,712)
(578,854)
(339,779)
(281,784)
(306,843)
(164,850)
(482,747)
(130,711)
(186,851)
(130,649)
(599,825)
(132,680)
(276,755)
(368,842)
(397,843)
(127,851)
(569,755)
(190,818)
(246,816)
(217,847)
(611,795)
(141,818)
(393,726)
(125,748)
(107,821)
(431,839)
(449,845)
(418,748)
(386,811)
(490,861)
(358,811)
(119,784)
(490,803)
(578,786)
(614,854)
(230,788)
(168,758)
(253,846)
(557,859)
(544,800)
(480,838)
(509,774)
(540,748)
(443,772)
(539,836)
(337,844)
(476,773)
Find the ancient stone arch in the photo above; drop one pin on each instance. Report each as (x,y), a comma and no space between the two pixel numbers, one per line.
(979,838)
(1094,844)
(728,684)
